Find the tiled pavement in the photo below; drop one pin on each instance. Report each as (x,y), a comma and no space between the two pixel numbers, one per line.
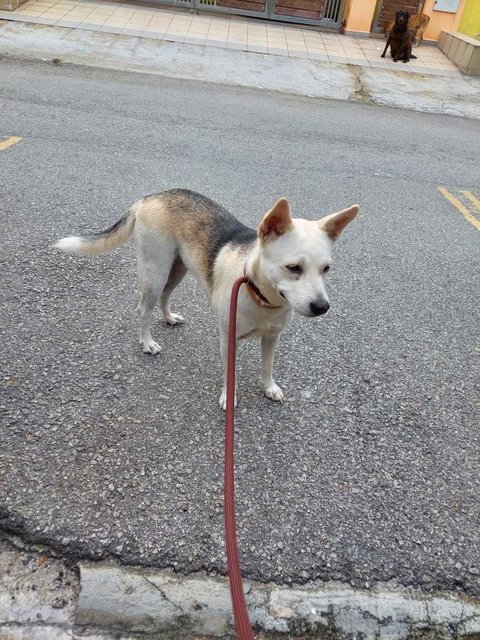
(231,32)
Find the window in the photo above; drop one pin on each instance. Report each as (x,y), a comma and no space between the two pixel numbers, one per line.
(449,6)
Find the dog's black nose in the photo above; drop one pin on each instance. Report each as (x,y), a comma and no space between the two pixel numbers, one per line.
(319,307)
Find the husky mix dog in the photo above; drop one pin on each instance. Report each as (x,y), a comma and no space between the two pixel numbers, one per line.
(285,259)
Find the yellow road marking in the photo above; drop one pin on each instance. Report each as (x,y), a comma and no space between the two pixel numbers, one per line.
(458,205)
(9,142)
(475,201)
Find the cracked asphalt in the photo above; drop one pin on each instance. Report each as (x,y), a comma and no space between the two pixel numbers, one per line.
(370,471)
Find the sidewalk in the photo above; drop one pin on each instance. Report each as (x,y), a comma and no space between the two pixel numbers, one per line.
(245,34)
(235,51)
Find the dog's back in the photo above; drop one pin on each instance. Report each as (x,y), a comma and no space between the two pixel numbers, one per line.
(185,222)
(199,227)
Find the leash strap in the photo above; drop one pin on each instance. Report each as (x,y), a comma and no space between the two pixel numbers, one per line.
(240,613)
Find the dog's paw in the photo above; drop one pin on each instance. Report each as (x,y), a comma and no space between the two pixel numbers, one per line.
(150,346)
(274,392)
(174,319)
(222,401)
(383,55)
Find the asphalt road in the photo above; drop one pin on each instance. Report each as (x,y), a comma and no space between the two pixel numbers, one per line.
(370,471)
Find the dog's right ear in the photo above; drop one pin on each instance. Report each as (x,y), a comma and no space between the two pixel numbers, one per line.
(276,222)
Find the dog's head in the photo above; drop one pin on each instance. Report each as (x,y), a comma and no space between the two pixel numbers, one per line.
(401,18)
(295,255)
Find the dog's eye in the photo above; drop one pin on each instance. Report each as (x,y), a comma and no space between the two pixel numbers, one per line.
(294,268)
(326,268)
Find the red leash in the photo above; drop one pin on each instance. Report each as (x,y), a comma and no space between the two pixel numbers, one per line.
(240,613)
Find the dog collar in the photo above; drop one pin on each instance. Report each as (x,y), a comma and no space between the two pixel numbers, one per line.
(256,295)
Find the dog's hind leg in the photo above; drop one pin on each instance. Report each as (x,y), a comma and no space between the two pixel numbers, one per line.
(155,259)
(407,52)
(177,272)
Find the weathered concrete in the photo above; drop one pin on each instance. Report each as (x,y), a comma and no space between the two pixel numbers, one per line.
(421,93)
(42,598)
(462,50)
(35,588)
(431,93)
(149,601)
(152,601)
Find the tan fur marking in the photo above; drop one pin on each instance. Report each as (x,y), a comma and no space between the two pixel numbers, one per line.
(165,214)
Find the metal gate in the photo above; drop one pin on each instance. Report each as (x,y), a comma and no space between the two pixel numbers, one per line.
(186,4)
(324,13)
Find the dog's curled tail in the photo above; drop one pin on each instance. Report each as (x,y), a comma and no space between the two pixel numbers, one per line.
(104,241)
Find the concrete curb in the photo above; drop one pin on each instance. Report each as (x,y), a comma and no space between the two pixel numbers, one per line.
(157,601)
(47,598)
(430,93)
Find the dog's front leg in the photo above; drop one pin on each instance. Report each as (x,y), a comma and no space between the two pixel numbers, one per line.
(389,39)
(224,352)
(272,391)
(396,55)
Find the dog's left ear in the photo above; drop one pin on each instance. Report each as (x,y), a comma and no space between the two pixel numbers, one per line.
(335,223)
(276,222)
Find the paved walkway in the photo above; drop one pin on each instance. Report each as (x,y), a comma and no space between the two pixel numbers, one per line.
(230,32)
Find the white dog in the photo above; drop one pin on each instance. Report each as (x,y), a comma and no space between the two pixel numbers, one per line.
(285,260)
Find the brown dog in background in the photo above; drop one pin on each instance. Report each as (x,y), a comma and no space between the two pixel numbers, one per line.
(400,39)
(416,25)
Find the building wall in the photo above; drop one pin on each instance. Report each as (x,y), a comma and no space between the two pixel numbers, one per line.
(440,20)
(470,21)
(359,15)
